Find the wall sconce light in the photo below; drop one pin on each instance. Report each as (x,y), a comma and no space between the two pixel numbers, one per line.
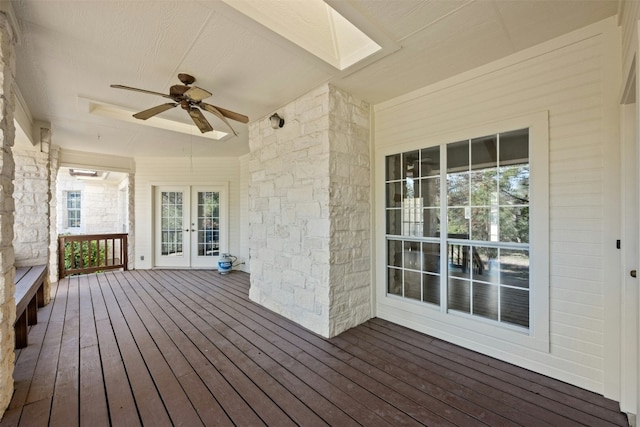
(276,121)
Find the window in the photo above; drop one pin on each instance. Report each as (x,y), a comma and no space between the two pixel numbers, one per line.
(457,227)
(73,209)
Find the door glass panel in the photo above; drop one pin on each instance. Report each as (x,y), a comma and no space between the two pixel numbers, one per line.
(171,223)
(208,223)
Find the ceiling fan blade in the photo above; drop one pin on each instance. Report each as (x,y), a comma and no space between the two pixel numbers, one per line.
(199,119)
(197,94)
(216,112)
(227,113)
(150,92)
(144,115)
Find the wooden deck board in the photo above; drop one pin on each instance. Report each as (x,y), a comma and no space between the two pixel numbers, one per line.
(188,348)
(377,397)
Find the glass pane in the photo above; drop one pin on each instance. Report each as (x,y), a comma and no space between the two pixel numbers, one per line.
(484,188)
(458,156)
(514,306)
(431,257)
(485,300)
(458,189)
(430,191)
(459,297)
(431,288)
(481,226)
(484,152)
(431,222)
(412,255)
(514,185)
(394,281)
(394,194)
(208,206)
(514,267)
(514,147)
(393,221)
(430,164)
(458,260)
(458,222)
(411,163)
(171,224)
(411,190)
(393,168)
(412,284)
(412,222)
(486,266)
(514,224)
(394,253)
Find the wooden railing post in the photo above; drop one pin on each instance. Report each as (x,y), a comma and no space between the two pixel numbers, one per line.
(61,268)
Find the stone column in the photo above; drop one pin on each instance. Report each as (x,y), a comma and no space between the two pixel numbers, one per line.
(7,270)
(131,223)
(309,212)
(32,196)
(54,268)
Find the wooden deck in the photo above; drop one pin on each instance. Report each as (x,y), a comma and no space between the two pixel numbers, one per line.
(188,348)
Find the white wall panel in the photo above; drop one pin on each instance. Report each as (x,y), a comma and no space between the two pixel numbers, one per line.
(572,78)
(185,171)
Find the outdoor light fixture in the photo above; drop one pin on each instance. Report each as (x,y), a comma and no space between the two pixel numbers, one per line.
(276,121)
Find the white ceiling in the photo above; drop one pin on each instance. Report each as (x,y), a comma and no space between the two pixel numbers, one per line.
(71,51)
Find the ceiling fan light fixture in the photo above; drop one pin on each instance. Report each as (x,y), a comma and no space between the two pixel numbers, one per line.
(276,121)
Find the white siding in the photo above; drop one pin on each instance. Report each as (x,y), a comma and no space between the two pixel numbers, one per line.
(576,79)
(184,171)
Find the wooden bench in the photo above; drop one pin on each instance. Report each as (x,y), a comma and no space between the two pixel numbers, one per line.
(29,297)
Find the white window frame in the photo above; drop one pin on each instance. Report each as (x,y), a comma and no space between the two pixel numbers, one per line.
(67,209)
(467,330)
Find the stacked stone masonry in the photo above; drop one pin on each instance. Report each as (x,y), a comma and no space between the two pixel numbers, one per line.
(53,218)
(7,269)
(100,205)
(309,212)
(31,195)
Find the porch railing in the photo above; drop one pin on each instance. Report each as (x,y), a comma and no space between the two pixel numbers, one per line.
(88,253)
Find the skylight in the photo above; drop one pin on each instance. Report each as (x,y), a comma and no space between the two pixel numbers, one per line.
(313,25)
(120,113)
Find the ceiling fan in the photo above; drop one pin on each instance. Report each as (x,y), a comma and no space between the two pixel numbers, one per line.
(190,99)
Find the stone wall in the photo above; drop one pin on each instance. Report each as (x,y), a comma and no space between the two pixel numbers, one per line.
(31,195)
(100,205)
(349,211)
(7,269)
(309,212)
(130,220)
(53,218)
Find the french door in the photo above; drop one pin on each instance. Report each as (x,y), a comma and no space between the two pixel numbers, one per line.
(190,225)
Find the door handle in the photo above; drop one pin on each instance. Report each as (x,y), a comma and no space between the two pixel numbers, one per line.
(633,273)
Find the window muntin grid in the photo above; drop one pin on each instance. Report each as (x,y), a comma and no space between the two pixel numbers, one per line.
(74,205)
(486,241)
